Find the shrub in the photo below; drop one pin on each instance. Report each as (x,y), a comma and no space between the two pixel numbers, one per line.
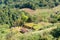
(4,30)
(56,32)
(35,36)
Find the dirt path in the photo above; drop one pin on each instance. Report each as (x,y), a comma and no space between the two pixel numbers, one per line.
(42,31)
(45,30)
(32,12)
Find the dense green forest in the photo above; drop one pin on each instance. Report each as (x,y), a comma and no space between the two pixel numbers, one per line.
(33,4)
(29,20)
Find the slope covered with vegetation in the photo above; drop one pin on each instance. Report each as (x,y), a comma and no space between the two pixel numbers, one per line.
(29,20)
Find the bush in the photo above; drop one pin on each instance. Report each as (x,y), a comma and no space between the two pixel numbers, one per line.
(53,18)
(35,36)
(4,30)
(56,32)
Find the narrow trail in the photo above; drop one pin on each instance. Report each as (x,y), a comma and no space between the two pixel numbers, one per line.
(32,12)
(45,30)
(42,31)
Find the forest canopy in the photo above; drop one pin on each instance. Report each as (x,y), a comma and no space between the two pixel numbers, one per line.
(33,4)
